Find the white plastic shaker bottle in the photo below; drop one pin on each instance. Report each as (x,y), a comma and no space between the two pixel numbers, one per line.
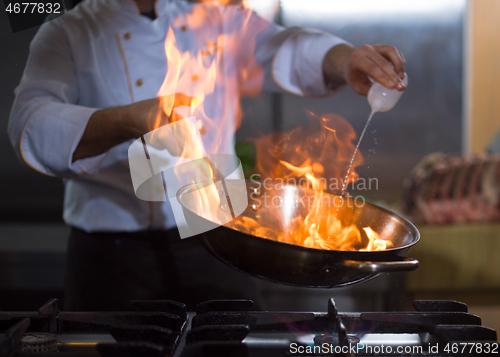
(383,99)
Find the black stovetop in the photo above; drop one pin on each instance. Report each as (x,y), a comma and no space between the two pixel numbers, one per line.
(232,328)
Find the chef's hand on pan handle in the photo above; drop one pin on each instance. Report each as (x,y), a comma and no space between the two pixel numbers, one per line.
(346,64)
(109,127)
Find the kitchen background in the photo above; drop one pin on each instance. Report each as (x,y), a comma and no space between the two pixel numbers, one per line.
(450,106)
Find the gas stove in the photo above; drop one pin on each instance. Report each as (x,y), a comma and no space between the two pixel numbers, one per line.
(232,328)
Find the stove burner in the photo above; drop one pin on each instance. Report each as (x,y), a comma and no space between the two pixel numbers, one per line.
(334,340)
(38,342)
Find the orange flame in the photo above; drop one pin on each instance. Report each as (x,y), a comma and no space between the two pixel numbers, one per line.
(193,76)
(197,72)
(375,242)
(200,72)
(324,149)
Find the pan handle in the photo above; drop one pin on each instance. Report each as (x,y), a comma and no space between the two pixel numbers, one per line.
(380,267)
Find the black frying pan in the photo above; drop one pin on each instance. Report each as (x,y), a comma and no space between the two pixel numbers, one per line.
(297,265)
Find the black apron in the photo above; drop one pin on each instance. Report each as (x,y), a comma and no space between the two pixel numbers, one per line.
(105,271)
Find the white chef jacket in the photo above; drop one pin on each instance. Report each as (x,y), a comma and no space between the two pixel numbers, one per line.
(104,54)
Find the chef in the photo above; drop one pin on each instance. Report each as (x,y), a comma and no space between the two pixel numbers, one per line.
(90,88)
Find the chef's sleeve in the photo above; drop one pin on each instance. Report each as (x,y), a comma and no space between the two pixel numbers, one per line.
(45,124)
(291,60)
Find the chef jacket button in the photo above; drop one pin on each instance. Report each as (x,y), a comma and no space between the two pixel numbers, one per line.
(127,36)
(139,82)
(195,77)
(184,28)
